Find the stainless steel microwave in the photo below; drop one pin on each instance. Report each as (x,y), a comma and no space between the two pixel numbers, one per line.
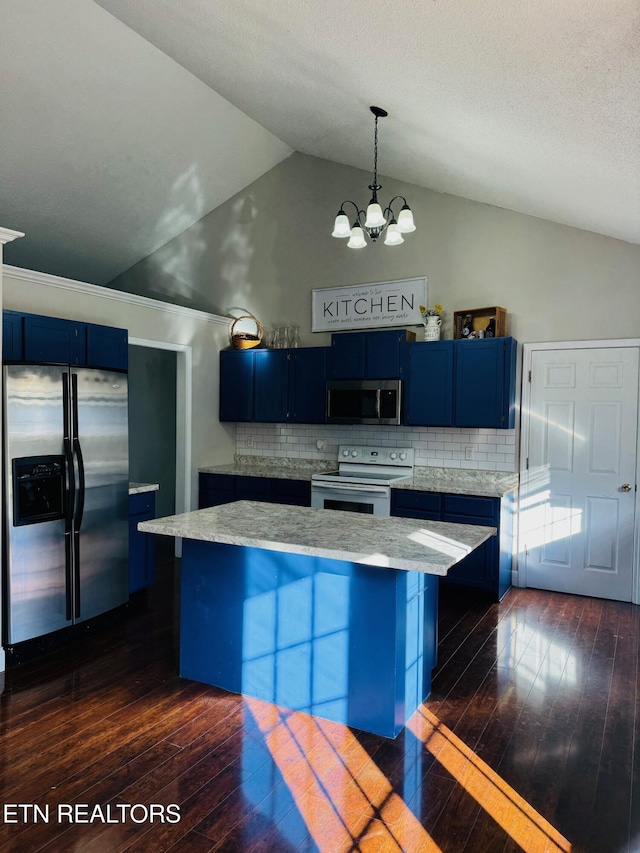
(364,401)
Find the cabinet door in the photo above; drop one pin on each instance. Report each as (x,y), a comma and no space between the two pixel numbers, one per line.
(49,339)
(236,385)
(382,354)
(141,545)
(428,386)
(215,489)
(347,356)
(107,347)
(12,339)
(249,488)
(307,385)
(407,503)
(270,386)
(291,492)
(485,383)
(479,568)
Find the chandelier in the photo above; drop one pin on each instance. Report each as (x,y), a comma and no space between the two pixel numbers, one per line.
(374,222)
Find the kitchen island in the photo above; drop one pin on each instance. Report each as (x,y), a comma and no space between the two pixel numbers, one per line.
(331,613)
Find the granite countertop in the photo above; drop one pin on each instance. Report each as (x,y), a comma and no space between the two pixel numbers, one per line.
(138,488)
(460,481)
(431,547)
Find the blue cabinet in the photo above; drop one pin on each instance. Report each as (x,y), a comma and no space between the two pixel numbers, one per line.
(273,385)
(51,339)
(142,507)
(460,383)
(367,355)
(35,338)
(12,337)
(236,385)
(428,371)
(216,489)
(107,347)
(485,383)
(270,386)
(488,568)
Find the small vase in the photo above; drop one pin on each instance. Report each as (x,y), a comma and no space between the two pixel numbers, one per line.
(432,329)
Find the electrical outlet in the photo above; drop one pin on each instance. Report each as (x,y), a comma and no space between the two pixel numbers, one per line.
(468,452)
(249,441)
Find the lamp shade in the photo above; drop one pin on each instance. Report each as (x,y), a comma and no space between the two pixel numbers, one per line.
(393,236)
(405,220)
(374,219)
(341,227)
(357,240)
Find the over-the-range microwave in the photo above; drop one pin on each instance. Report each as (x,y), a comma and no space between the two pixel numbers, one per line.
(364,401)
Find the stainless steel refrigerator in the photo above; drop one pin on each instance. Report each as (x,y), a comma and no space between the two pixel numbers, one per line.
(66,464)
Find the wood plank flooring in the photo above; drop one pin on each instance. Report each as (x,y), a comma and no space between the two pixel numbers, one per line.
(529,741)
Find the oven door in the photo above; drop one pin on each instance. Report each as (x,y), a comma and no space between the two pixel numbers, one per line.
(351,497)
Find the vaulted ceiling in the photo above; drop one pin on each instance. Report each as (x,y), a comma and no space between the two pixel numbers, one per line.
(122,122)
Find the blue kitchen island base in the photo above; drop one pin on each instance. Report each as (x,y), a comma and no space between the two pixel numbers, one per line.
(345,641)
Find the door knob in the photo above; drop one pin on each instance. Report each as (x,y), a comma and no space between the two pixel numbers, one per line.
(626,487)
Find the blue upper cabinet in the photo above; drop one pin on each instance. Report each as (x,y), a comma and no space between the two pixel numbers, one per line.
(270,386)
(367,355)
(50,339)
(273,386)
(485,383)
(347,356)
(236,385)
(12,340)
(107,347)
(428,387)
(34,338)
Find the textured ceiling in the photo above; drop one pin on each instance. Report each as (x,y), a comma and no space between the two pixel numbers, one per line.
(532,106)
(108,147)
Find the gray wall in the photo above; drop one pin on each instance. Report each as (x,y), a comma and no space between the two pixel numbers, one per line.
(152,422)
(264,250)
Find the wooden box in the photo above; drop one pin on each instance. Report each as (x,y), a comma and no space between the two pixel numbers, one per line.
(480,320)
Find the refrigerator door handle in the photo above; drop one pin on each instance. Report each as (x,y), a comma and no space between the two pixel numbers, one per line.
(71,496)
(77,449)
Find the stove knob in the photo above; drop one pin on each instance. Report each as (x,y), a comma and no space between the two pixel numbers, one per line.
(345,452)
(393,455)
(403,456)
(354,452)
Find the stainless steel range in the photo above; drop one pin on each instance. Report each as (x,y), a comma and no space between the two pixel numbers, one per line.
(363,480)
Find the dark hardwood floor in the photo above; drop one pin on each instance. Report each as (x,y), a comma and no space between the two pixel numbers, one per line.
(528,742)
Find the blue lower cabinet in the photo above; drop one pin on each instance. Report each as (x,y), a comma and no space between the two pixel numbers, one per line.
(216,489)
(343,641)
(487,568)
(142,507)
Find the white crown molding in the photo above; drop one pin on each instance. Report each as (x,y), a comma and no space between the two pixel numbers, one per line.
(96,290)
(7,235)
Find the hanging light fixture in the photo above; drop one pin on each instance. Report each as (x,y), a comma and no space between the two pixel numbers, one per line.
(374,221)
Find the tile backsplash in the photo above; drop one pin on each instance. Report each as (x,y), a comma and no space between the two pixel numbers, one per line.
(440,447)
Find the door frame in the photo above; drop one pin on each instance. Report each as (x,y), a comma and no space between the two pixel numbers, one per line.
(525,408)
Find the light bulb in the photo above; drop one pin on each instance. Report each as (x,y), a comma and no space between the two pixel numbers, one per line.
(374,219)
(341,227)
(405,220)
(393,236)
(357,240)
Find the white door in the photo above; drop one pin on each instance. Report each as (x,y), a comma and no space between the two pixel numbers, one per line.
(578,503)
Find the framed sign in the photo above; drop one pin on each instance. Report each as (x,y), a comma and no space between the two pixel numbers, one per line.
(368,306)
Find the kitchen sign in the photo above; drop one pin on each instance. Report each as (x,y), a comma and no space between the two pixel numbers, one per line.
(368,306)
